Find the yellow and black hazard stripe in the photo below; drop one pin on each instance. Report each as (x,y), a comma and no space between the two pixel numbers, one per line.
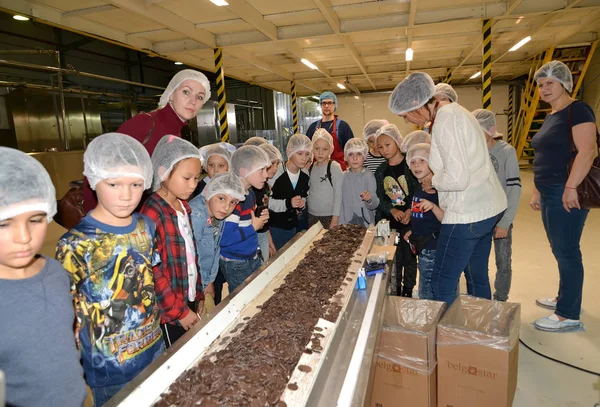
(295,107)
(486,69)
(221,98)
(511,113)
(448,78)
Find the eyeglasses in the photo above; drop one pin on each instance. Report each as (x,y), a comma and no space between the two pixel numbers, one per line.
(327,103)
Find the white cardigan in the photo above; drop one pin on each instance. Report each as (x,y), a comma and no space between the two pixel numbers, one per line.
(467,184)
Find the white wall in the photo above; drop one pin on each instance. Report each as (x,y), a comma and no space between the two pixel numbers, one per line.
(357,112)
(591,84)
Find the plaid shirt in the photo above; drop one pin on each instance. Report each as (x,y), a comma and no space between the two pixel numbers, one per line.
(171,275)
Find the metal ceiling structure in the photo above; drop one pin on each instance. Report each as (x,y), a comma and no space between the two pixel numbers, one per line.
(359,41)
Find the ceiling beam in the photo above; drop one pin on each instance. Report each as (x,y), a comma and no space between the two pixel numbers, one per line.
(89,10)
(249,57)
(249,14)
(214,24)
(148,32)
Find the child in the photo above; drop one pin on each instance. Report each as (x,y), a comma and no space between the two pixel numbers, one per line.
(239,244)
(374,159)
(395,186)
(504,158)
(290,191)
(217,202)
(109,256)
(426,220)
(325,197)
(265,240)
(215,159)
(359,188)
(176,166)
(415,137)
(37,349)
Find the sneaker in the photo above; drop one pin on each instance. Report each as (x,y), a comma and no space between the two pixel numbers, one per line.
(546,302)
(554,324)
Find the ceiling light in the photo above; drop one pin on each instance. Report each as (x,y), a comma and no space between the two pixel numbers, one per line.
(219,3)
(308,63)
(178,63)
(520,44)
(476,75)
(356,97)
(339,85)
(409,54)
(20,18)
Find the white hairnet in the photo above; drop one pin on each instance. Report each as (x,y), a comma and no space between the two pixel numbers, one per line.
(249,158)
(557,70)
(272,151)
(25,186)
(412,93)
(415,137)
(178,79)
(372,126)
(419,150)
(225,183)
(255,141)
(322,134)
(114,155)
(298,143)
(169,151)
(392,131)
(356,145)
(487,121)
(215,149)
(446,91)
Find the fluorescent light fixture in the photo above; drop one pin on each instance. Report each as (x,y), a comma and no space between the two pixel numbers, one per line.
(476,75)
(520,44)
(20,18)
(178,63)
(339,85)
(308,63)
(219,3)
(356,97)
(409,54)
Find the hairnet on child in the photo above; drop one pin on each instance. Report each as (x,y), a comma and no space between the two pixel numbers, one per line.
(415,137)
(272,151)
(412,93)
(114,155)
(250,159)
(487,121)
(298,143)
(356,145)
(255,141)
(419,150)
(178,79)
(372,126)
(214,149)
(25,186)
(322,134)
(225,183)
(446,91)
(328,95)
(557,70)
(169,151)
(392,131)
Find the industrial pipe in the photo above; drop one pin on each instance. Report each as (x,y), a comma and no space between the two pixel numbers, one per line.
(68,90)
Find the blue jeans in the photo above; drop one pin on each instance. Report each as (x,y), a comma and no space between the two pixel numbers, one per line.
(237,271)
(503,252)
(282,236)
(263,243)
(105,393)
(564,230)
(463,247)
(426,263)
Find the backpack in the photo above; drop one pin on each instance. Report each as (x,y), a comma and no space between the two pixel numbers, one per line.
(327,173)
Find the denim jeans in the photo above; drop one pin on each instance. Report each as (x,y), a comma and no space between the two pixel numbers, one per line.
(564,230)
(463,247)
(426,262)
(406,266)
(263,243)
(282,236)
(237,271)
(503,252)
(105,393)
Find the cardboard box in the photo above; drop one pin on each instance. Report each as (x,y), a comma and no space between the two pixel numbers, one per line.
(405,366)
(478,353)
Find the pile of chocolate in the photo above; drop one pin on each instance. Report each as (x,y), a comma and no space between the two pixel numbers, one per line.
(255,367)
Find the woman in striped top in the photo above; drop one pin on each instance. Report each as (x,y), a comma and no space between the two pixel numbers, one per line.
(373,159)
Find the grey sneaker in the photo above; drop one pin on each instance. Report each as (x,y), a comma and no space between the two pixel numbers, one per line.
(546,302)
(554,324)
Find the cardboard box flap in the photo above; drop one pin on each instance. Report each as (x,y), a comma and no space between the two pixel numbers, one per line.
(472,320)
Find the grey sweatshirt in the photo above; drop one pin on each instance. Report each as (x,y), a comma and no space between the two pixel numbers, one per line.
(504,158)
(354,210)
(323,198)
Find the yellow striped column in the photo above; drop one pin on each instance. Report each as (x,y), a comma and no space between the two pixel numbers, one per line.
(221,98)
(486,68)
(295,107)
(511,113)
(448,78)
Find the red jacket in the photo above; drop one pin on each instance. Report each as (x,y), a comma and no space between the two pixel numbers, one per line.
(139,126)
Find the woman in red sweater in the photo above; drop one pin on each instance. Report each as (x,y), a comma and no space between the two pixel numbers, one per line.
(181,101)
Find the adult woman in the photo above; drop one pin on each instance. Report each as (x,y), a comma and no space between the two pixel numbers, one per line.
(555,191)
(181,101)
(469,190)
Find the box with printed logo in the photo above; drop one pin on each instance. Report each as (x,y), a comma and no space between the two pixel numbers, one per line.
(405,367)
(478,353)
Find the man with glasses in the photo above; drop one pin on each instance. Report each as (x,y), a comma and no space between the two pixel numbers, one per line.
(339,129)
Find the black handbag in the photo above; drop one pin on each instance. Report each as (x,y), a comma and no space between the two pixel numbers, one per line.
(588,192)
